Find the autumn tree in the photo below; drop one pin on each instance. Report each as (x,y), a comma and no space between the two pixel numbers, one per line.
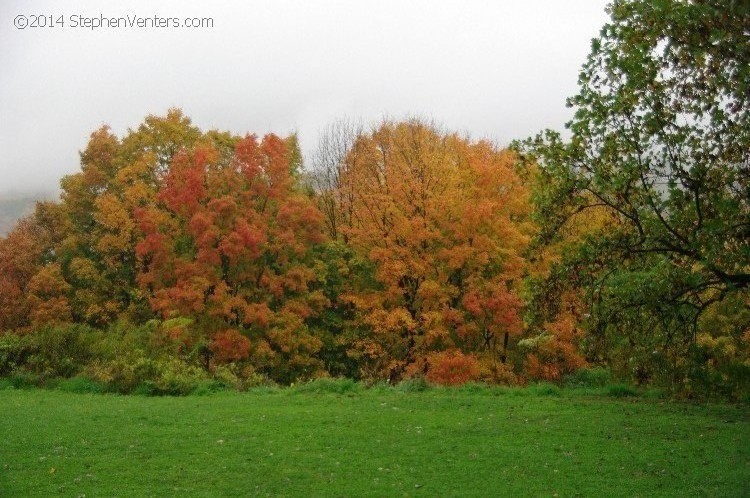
(92,232)
(228,243)
(21,254)
(95,297)
(442,221)
(141,164)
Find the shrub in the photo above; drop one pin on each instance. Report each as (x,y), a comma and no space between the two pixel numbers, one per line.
(550,358)
(14,352)
(475,388)
(61,351)
(719,368)
(494,372)
(122,374)
(139,374)
(177,378)
(450,368)
(123,338)
(259,380)
(224,378)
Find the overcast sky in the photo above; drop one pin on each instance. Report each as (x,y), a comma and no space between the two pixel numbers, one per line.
(495,69)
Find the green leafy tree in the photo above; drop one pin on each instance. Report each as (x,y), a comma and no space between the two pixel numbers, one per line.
(661,140)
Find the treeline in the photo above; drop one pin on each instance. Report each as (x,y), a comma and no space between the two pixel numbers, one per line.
(401,255)
(403,250)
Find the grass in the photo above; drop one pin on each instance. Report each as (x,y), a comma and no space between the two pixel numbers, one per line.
(343,440)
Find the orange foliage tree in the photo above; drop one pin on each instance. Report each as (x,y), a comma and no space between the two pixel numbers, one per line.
(20,259)
(443,219)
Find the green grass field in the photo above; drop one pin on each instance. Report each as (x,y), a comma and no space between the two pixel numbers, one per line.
(378,442)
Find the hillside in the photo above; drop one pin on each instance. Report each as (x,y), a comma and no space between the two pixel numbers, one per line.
(14,205)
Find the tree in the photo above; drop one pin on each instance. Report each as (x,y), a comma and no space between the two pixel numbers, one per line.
(229,243)
(660,140)
(20,260)
(442,219)
(92,233)
(330,164)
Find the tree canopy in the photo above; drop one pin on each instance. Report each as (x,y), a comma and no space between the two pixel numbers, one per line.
(660,140)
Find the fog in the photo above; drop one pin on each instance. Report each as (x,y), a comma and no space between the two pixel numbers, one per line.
(498,70)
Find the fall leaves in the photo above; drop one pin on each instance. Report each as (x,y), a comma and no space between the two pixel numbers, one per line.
(408,263)
(443,221)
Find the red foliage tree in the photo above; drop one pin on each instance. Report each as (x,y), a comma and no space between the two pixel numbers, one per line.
(228,243)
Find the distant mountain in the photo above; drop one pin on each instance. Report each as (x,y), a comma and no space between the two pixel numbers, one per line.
(14,205)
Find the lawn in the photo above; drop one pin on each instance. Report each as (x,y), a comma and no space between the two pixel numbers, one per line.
(378,442)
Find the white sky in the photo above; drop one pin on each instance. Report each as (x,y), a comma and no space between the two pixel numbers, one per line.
(497,69)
